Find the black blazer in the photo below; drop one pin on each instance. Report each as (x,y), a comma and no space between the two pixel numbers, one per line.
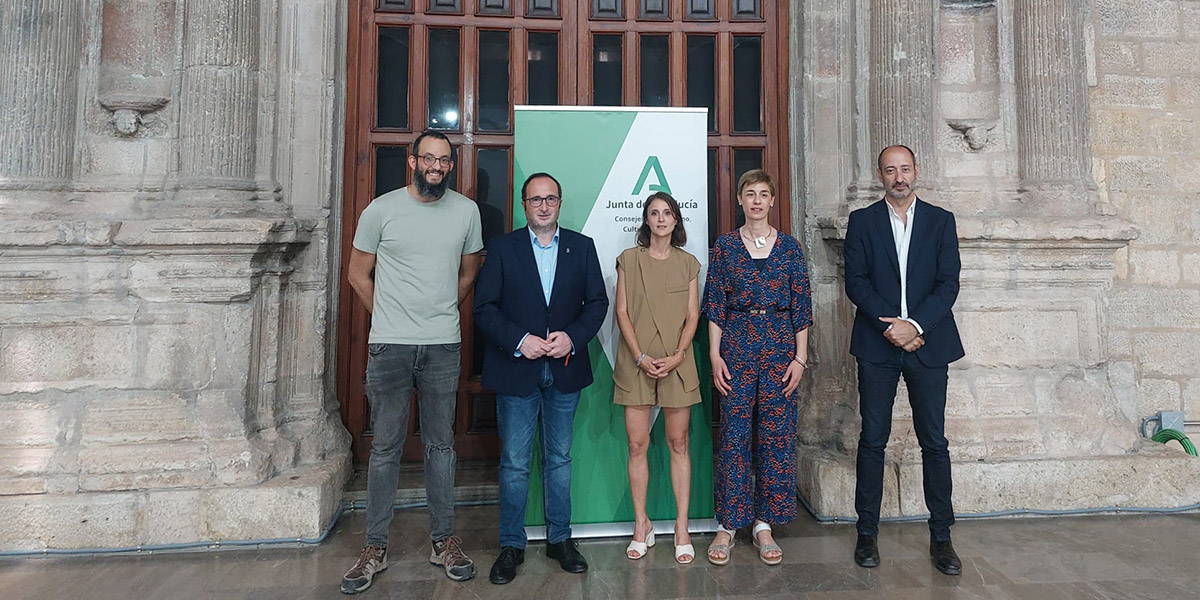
(873,282)
(509,303)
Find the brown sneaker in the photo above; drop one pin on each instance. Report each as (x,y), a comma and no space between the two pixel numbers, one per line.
(372,560)
(447,553)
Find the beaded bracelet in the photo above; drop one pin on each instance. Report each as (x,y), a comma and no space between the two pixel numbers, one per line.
(639,360)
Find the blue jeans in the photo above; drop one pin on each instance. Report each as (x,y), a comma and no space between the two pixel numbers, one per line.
(552,413)
(927,394)
(393,370)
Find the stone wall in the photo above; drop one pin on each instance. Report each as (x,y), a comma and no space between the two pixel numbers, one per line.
(1144,111)
(168,177)
(994,95)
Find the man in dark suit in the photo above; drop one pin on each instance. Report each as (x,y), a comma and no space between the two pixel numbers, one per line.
(902,269)
(539,300)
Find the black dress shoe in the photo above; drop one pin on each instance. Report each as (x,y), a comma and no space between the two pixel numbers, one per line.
(945,558)
(567,554)
(866,551)
(504,569)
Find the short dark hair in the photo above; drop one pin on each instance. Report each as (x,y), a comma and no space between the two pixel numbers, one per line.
(525,186)
(429,133)
(879,161)
(678,236)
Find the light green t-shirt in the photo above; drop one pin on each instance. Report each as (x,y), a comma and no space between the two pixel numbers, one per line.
(418,247)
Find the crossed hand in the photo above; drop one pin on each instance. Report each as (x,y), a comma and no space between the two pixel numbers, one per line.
(902,334)
(556,345)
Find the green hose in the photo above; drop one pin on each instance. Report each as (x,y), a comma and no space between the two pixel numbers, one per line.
(1166,435)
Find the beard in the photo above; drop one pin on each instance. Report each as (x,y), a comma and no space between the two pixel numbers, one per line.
(430,190)
(896,194)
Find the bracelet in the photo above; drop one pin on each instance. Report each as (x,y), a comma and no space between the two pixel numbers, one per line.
(639,360)
(802,363)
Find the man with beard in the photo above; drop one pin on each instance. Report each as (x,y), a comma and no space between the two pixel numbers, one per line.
(902,269)
(423,243)
(540,300)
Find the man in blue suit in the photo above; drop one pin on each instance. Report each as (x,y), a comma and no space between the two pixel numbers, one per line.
(902,267)
(539,300)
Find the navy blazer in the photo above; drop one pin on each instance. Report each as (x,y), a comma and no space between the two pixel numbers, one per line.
(873,282)
(509,303)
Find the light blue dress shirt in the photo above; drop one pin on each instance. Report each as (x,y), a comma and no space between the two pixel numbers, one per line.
(546,258)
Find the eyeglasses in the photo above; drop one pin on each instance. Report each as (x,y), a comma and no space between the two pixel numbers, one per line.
(537,201)
(429,159)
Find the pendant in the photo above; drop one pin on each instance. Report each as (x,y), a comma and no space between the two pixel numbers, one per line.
(760,241)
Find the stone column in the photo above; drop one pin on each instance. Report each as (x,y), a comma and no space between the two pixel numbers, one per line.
(1052,115)
(218,127)
(40,41)
(901,76)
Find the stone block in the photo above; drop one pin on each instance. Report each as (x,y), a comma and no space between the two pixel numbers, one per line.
(1012,437)
(1138,19)
(1152,476)
(23,461)
(1189,20)
(136,417)
(956,56)
(1185,92)
(1003,393)
(174,517)
(1158,268)
(1170,57)
(75,521)
(1164,219)
(299,502)
(67,355)
(1133,173)
(1167,353)
(1191,399)
(30,421)
(1189,268)
(1173,136)
(148,458)
(968,105)
(1158,394)
(1129,90)
(992,335)
(1118,56)
(1117,132)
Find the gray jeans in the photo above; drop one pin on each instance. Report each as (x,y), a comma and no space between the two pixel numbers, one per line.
(393,370)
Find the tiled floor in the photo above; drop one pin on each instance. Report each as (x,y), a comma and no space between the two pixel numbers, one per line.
(1119,557)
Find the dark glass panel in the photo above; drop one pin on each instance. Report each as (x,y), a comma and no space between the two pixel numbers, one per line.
(391,168)
(655,70)
(744,159)
(702,75)
(714,223)
(493,81)
(747,83)
(542,63)
(606,70)
(495,7)
(492,190)
(445,6)
(391,87)
(444,62)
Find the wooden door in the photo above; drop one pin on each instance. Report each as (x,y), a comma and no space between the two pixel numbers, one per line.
(459,66)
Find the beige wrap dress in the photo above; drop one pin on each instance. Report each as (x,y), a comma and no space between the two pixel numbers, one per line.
(656,297)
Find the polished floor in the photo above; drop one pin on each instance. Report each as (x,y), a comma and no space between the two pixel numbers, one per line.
(1118,557)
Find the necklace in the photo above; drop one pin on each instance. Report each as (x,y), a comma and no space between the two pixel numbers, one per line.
(760,241)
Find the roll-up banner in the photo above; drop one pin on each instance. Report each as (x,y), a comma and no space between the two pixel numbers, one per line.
(608,161)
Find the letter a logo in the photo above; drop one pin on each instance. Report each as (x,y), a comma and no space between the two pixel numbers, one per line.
(661,186)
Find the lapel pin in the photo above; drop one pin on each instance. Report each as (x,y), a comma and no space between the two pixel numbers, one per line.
(568,250)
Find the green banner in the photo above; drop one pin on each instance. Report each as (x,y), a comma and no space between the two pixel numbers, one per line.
(608,160)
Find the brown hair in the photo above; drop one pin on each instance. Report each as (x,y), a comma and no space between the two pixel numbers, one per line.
(755,176)
(678,236)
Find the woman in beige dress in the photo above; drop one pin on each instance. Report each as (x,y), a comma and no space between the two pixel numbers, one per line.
(657,308)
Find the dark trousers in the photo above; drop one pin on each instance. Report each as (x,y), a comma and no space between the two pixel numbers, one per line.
(927,394)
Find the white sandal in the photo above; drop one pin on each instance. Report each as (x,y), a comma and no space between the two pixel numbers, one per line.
(722,548)
(685,550)
(763,549)
(640,548)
